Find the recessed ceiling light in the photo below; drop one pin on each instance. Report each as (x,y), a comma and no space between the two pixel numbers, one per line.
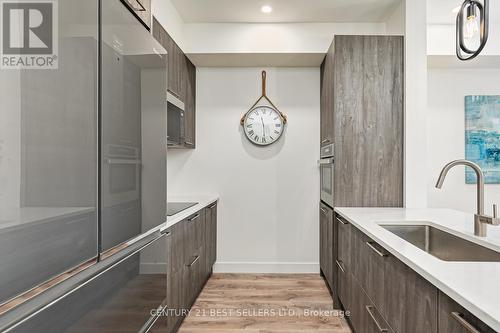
(266,9)
(456,10)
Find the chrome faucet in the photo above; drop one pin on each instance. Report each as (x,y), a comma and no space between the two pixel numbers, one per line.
(480,219)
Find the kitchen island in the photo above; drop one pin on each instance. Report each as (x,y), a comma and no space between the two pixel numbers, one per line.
(471,284)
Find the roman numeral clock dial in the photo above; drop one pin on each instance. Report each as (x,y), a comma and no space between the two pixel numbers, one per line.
(263,125)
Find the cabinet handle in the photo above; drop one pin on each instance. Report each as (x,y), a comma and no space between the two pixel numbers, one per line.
(164,232)
(377,251)
(342,221)
(152,321)
(322,210)
(465,324)
(213,206)
(339,263)
(174,93)
(194,218)
(188,143)
(194,261)
(325,141)
(141,9)
(369,310)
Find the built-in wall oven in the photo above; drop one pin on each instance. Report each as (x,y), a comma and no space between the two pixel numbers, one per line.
(326,165)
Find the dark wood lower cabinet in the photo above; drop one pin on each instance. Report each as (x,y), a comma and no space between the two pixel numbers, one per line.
(453,318)
(193,255)
(327,244)
(382,294)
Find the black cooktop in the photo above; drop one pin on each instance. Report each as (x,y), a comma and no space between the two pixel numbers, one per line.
(177,207)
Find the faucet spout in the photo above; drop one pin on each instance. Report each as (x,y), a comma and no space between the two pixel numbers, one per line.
(479,228)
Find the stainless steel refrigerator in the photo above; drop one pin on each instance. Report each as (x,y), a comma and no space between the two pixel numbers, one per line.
(83,177)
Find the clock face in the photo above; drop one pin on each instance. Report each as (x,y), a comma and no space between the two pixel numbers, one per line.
(263,125)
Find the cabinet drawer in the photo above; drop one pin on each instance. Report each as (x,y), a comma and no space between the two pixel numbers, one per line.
(344,292)
(365,317)
(195,234)
(369,261)
(326,244)
(453,318)
(178,241)
(344,243)
(119,299)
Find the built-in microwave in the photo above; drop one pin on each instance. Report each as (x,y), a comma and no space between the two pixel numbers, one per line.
(326,165)
(175,121)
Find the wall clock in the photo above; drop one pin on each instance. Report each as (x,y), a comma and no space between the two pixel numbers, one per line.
(263,124)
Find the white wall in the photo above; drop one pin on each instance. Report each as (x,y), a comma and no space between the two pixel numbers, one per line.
(446,136)
(395,24)
(271,37)
(269,197)
(415,104)
(441,39)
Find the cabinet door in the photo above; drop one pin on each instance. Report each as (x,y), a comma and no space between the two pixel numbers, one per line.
(327,81)
(368,259)
(142,9)
(326,243)
(190,103)
(168,43)
(453,318)
(211,236)
(343,286)
(410,302)
(344,243)
(368,120)
(181,68)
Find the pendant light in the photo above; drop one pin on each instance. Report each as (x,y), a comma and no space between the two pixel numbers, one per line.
(472,19)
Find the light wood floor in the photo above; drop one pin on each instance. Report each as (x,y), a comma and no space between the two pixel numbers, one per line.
(264,303)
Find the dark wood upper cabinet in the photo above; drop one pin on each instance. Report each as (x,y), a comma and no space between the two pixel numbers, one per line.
(181,82)
(190,103)
(362,77)
(141,9)
(327,110)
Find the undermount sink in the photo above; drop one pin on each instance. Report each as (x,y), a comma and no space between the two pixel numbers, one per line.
(442,244)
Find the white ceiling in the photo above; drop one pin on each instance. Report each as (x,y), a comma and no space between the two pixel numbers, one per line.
(440,11)
(248,11)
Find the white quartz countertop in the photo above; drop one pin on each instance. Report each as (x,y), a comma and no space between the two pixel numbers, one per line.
(474,285)
(202,202)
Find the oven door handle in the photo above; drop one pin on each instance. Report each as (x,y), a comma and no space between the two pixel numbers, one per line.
(325,161)
(116,161)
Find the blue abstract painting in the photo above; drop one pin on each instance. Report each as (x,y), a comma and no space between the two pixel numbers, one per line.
(482,137)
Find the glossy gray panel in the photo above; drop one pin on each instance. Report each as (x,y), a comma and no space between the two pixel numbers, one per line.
(48,158)
(133,127)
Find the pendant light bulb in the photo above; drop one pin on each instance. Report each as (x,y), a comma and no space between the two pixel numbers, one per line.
(471,27)
(472,23)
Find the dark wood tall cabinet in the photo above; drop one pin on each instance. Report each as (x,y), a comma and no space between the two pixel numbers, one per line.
(368,121)
(362,116)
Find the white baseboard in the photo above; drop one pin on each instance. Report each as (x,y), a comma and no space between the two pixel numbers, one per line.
(267,267)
